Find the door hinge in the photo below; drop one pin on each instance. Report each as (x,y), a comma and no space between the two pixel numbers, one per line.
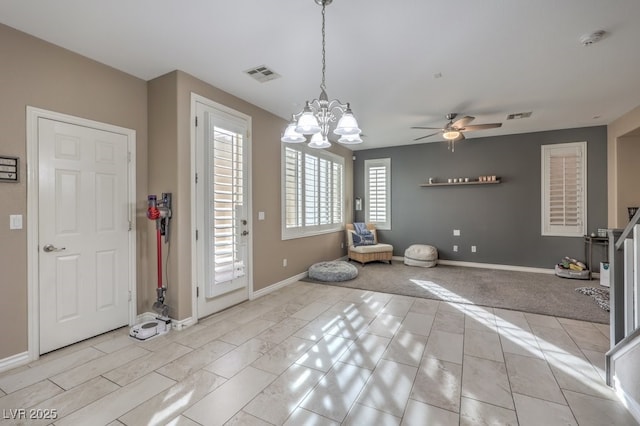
(129,156)
(196,121)
(196,178)
(197,292)
(130,226)
(129,295)
(196,235)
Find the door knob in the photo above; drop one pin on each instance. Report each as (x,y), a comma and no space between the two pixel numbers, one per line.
(50,247)
(245,233)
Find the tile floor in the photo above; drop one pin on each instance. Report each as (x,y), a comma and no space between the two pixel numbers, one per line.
(311,354)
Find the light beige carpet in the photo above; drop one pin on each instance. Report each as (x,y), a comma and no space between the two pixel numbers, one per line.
(521,291)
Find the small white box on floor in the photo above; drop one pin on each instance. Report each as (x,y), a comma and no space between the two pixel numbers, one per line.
(604,274)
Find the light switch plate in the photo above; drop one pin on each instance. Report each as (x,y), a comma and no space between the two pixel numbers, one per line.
(260,215)
(15,221)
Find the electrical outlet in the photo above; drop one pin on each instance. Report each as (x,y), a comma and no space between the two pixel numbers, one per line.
(456,232)
(473,249)
(455,248)
(284,263)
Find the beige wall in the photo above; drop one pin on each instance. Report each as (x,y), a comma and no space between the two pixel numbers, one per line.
(623,146)
(628,176)
(173,93)
(39,74)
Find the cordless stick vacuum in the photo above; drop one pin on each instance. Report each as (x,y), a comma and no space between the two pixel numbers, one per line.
(160,211)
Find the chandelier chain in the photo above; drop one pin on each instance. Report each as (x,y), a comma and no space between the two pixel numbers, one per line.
(324,62)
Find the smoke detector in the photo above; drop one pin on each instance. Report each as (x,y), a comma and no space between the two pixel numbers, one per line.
(594,37)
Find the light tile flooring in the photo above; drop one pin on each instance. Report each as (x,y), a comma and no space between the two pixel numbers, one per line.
(311,354)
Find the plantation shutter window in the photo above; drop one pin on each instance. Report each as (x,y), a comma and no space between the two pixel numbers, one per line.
(312,193)
(293,188)
(378,192)
(564,192)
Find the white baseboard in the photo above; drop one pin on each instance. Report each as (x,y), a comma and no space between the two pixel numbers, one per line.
(631,404)
(14,361)
(496,266)
(175,324)
(283,283)
(278,285)
(182,324)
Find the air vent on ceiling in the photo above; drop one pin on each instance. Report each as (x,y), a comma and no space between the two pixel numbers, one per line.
(262,73)
(519,115)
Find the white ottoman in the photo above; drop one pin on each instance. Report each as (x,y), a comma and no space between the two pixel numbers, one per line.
(421,255)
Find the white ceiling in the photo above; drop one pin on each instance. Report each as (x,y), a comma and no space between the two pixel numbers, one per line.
(495,56)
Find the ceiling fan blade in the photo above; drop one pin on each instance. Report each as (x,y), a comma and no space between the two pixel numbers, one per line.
(482,126)
(428,128)
(427,136)
(463,121)
(459,138)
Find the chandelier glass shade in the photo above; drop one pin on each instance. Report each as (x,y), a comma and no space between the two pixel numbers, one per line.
(319,114)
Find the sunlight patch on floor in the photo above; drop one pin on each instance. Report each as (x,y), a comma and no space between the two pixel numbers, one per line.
(579,369)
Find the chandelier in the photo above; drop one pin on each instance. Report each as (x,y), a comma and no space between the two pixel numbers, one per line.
(317,115)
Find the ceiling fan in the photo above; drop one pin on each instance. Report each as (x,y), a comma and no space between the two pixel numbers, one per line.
(453,131)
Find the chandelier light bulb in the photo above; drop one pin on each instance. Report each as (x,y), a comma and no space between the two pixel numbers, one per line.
(347,124)
(291,136)
(350,139)
(307,123)
(319,141)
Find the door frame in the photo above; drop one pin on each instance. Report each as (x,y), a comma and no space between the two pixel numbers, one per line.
(196,99)
(33,192)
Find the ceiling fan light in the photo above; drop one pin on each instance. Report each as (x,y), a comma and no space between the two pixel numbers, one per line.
(350,139)
(451,135)
(291,136)
(318,141)
(347,124)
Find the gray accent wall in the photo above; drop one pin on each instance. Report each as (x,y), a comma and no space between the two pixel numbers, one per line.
(503,220)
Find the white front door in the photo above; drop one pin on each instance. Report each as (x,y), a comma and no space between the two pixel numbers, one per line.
(222,205)
(83,232)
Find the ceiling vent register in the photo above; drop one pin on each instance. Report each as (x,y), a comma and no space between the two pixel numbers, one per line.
(262,74)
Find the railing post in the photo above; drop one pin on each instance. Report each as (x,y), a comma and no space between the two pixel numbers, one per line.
(616,289)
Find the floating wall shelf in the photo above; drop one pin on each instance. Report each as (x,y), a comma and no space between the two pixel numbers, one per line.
(474,182)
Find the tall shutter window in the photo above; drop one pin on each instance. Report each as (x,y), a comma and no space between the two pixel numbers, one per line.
(293,188)
(312,192)
(311,188)
(337,192)
(378,192)
(564,189)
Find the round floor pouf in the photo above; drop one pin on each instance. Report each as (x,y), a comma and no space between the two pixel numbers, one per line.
(337,270)
(421,255)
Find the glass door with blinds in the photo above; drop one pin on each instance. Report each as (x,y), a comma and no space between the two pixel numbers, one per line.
(222,203)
